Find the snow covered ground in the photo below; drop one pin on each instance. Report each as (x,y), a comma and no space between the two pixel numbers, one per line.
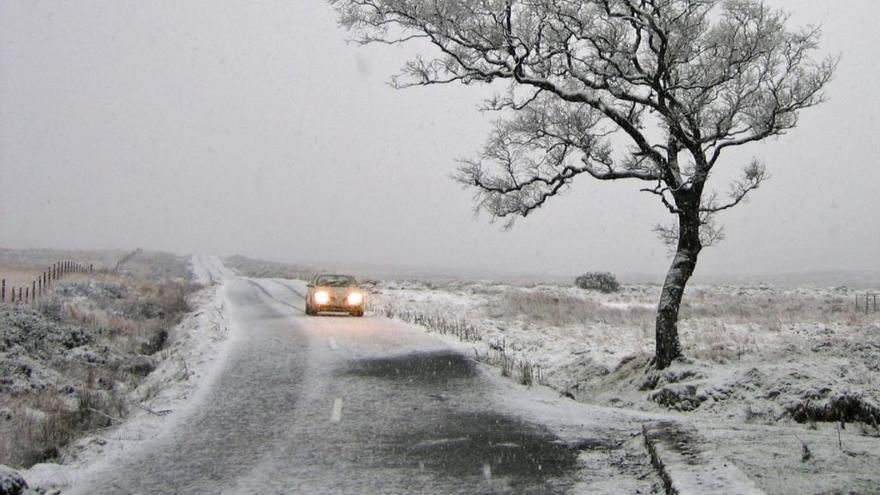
(769,373)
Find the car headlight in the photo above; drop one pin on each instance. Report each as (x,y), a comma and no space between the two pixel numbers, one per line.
(355,298)
(321,297)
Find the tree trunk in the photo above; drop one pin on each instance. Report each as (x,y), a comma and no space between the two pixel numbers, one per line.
(687,250)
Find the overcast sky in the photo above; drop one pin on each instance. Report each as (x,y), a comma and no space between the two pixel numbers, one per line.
(218,126)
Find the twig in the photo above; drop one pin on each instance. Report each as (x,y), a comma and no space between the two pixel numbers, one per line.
(805,451)
(111,418)
(161,412)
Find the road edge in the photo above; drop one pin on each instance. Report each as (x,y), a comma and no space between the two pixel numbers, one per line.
(687,464)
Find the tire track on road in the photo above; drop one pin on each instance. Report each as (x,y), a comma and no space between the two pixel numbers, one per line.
(291,289)
(270,296)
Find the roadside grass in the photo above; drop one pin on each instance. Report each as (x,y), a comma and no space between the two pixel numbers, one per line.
(45,423)
(435,322)
(526,371)
(70,362)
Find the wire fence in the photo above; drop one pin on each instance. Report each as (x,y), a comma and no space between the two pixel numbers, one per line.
(868,302)
(40,286)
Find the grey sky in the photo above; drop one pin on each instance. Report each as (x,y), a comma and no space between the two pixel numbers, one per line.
(251,127)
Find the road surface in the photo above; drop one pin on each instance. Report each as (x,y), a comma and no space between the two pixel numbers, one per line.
(336,404)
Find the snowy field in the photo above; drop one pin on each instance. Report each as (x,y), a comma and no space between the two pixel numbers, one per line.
(783,381)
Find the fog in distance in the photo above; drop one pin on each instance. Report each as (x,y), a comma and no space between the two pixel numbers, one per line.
(252,127)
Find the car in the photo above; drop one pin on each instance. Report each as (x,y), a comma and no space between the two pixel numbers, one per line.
(335,293)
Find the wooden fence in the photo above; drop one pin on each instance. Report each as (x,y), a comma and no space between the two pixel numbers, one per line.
(42,284)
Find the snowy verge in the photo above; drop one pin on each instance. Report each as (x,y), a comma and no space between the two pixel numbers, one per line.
(186,367)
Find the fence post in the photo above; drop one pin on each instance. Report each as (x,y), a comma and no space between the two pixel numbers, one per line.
(34,290)
(3,292)
(91,267)
(19,294)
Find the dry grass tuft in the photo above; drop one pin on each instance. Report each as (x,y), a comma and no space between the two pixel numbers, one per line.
(436,322)
(45,423)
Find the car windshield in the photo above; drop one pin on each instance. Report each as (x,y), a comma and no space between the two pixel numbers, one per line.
(335,281)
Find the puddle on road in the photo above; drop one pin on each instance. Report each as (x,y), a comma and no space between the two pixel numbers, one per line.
(469,445)
(480,450)
(464,442)
(417,367)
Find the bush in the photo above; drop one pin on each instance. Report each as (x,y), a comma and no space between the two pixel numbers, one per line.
(601,281)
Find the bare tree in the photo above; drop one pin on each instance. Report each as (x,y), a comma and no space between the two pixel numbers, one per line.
(649,90)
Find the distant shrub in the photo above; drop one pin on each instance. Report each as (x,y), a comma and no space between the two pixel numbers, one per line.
(601,281)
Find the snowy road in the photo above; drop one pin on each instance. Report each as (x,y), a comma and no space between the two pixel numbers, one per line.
(364,405)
